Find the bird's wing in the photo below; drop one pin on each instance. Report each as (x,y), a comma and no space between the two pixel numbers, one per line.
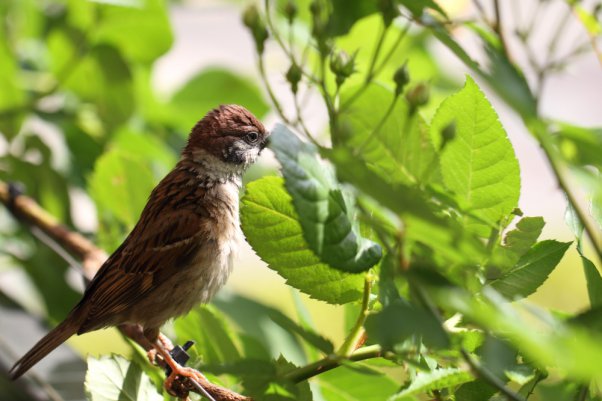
(156,248)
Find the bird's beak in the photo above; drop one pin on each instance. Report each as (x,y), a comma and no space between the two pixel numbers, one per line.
(265,143)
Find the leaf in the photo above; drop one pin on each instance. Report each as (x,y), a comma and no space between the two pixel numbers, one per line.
(207,90)
(348,384)
(113,378)
(141,31)
(214,340)
(254,319)
(557,344)
(345,14)
(518,241)
(477,390)
(479,164)
(400,320)
(400,151)
(593,280)
(531,270)
(325,212)
(272,227)
(11,95)
(434,380)
(417,7)
(120,186)
(104,79)
(580,145)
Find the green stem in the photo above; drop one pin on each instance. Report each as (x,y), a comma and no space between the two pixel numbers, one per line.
(560,179)
(376,70)
(268,87)
(332,361)
(350,343)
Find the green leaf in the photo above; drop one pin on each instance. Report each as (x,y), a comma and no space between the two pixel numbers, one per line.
(254,319)
(580,145)
(214,340)
(11,95)
(417,7)
(120,186)
(347,383)
(325,212)
(113,378)
(209,89)
(479,164)
(400,151)
(400,320)
(272,227)
(531,270)
(593,280)
(518,241)
(477,390)
(104,79)
(142,32)
(434,380)
(345,14)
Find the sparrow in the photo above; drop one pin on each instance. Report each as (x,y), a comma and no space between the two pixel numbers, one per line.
(182,248)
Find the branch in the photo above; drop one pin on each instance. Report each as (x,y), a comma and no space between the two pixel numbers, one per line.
(26,210)
(331,362)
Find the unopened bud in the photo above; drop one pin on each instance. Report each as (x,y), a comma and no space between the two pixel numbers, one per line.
(293,76)
(252,20)
(388,10)
(418,96)
(448,133)
(342,65)
(401,78)
(290,11)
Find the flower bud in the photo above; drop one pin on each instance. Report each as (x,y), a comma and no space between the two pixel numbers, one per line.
(293,76)
(418,96)
(252,20)
(290,11)
(342,65)
(401,78)
(448,133)
(388,10)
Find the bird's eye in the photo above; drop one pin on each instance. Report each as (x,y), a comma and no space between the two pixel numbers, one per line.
(252,137)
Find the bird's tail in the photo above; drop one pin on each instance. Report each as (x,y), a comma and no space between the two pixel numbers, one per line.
(56,337)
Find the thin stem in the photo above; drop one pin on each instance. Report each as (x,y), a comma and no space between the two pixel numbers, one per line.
(478,370)
(377,48)
(357,331)
(268,87)
(332,361)
(376,72)
(380,124)
(483,373)
(498,28)
(301,122)
(560,179)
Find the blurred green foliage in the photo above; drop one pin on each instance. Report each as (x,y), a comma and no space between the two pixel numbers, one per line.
(404,211)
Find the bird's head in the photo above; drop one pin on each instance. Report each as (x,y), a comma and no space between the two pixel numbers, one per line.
(229,136)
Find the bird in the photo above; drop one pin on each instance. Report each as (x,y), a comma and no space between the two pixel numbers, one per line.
(183,247)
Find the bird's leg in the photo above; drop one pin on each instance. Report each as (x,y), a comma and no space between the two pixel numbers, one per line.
(177,371)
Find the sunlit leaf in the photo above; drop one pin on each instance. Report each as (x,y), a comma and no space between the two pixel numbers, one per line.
(348,384)
(531,270)
(215,341)
(399,148)
(112,378)
(400,320)
(518,241)
(326,212)
(272,227)
(479,164)
(437,379)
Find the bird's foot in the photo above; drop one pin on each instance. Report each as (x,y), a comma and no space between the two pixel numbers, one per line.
(177,383)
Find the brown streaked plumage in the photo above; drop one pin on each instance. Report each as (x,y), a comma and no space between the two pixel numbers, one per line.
(182,248)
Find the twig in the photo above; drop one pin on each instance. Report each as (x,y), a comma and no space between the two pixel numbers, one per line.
(349,345)
(331,362)
(498,28)
(29,212)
